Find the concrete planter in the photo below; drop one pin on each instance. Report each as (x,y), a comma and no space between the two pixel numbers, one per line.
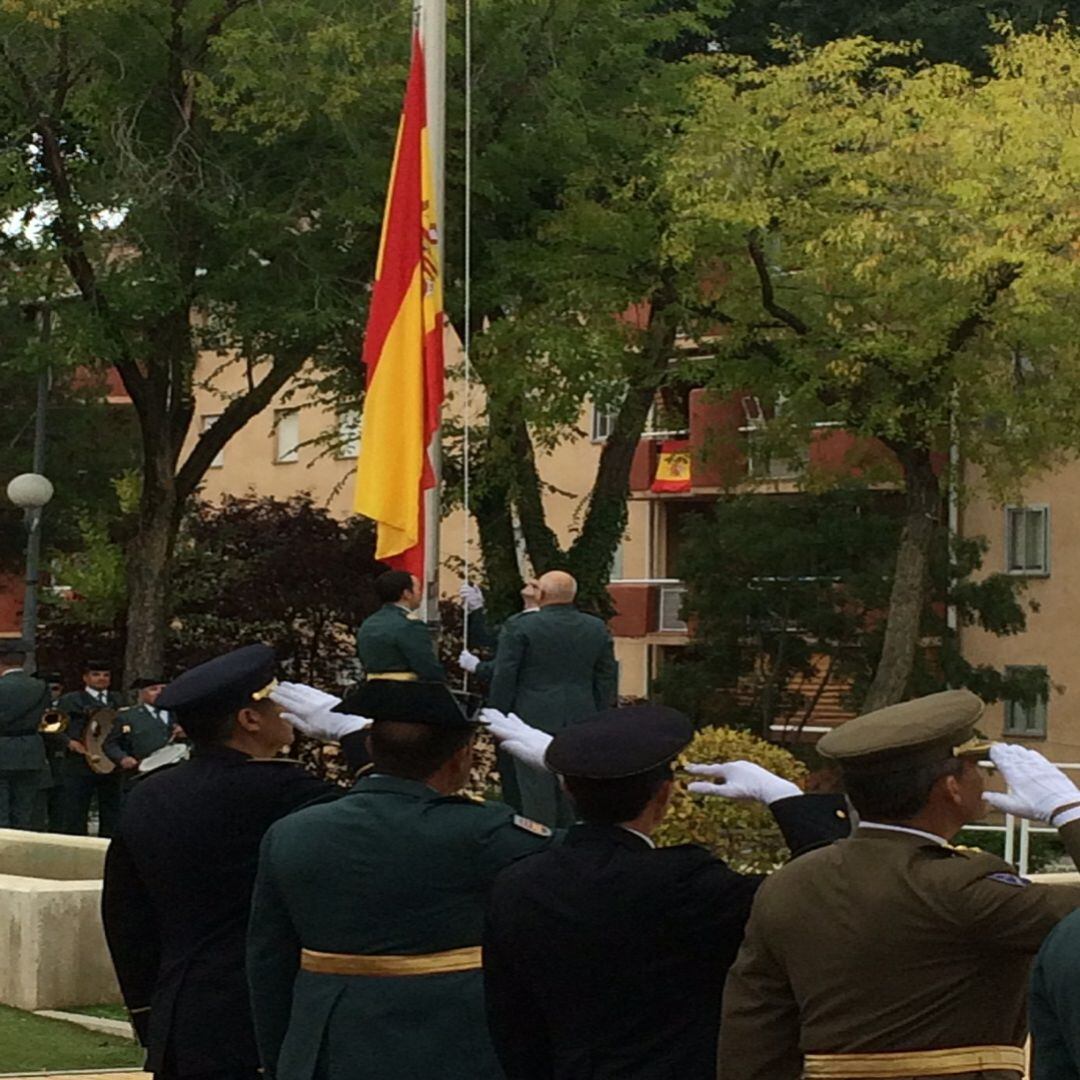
(51,938)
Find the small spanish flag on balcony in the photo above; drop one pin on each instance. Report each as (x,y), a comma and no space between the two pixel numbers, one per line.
(673,466)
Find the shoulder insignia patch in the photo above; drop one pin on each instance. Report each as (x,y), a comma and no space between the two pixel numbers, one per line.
(535,827)
(1009,879)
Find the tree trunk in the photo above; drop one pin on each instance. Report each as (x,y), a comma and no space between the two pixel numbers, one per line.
(148,558)
(908,596)
(495,526)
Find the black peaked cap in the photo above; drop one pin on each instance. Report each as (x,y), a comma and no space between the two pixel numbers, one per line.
(620,742)
(222,685)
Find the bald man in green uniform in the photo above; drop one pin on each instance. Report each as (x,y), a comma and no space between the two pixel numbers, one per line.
(364,943)
(392,645)
(892,953)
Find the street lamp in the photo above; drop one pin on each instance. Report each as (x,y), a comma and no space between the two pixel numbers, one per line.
(31,492)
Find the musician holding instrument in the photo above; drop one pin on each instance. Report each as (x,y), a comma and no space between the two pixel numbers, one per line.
(53,730)
(22,754)
(140,730)
(88,774)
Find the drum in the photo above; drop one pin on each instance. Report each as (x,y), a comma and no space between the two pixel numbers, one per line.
(98,725)
(169,754)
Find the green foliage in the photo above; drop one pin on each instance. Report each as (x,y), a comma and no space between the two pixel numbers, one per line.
(283,572)
(950,30)
(32,1044)
(897,245)
(95,577)
(743,834)
(786,594)
(588,95)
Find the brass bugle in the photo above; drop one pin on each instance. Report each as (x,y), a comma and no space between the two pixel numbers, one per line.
(53,721)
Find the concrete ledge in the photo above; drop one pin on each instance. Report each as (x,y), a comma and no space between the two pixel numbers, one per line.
(120,1028)
(51,855)
(50,922)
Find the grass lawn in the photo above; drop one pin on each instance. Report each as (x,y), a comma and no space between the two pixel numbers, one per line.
(109,1012)
(31,1043)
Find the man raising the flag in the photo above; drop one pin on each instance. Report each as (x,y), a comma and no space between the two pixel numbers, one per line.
(403,349)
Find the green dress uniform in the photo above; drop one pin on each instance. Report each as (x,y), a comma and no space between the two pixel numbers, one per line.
(22,752)
(892,953)
(1055,1004)
(137,733)
(389,642)
(553,668)
(365,931)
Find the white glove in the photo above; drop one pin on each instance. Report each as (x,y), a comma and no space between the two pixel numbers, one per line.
(468,661)
(472,599)
(527,744)
(742,780)
(310,711)
(1037,787)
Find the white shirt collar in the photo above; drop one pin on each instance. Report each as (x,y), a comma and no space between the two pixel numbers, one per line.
(932,837)
(648,839)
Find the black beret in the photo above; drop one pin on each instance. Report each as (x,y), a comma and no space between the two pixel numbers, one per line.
(97,665)
(49,677)
(431,703)
(143,683)
(222,685)
(620,742)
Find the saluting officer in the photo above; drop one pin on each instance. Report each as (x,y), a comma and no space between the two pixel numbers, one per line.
(892,953)
(606,956)
(364,948)
(140,729)
(179,873)
(390,644)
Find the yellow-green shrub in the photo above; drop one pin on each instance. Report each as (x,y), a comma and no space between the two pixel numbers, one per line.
(743,834)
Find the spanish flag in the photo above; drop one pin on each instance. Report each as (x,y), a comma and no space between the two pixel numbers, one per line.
(673,466)
(403,347)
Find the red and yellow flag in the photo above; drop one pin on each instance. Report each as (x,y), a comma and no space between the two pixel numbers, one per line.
(673,466)
(403,346)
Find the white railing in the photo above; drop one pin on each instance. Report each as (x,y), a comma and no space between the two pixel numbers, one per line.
(1018,831)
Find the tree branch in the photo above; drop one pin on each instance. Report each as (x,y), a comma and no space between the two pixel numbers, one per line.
(768,295)
(237,413)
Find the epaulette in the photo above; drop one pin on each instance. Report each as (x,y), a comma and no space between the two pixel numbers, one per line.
(963,849)
(463,797)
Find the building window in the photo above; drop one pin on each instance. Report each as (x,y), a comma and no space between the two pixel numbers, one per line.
(603,423)
(287,434)
(348,430)
(1022,719)
(1027,539)
(208,421)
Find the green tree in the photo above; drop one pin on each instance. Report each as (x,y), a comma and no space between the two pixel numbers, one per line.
(787,594)
(957,31)
(198,176)
(576,105)
(894,249)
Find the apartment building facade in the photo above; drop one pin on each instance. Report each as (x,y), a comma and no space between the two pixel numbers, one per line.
(283,451)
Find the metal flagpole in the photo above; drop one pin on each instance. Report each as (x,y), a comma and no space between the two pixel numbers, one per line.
(431,19)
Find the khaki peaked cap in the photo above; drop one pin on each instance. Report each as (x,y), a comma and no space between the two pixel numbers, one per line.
(914,733)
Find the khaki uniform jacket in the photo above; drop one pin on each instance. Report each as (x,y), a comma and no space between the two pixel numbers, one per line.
(885,942)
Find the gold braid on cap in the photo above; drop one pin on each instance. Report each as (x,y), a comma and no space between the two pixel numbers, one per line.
(266,691)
